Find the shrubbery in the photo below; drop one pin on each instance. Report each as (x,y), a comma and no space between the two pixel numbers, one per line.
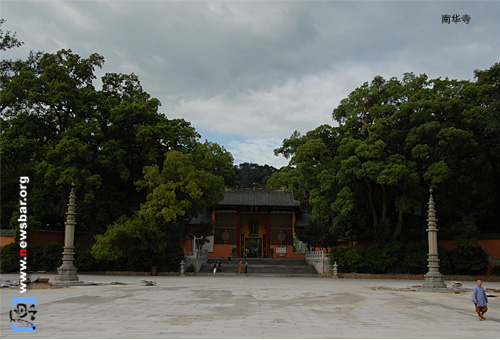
(35,257)
(172,258)
(10,258)
(381,258)
(349,259)
(387,258)
(413,258)
(141,258)
(51,256)
(410,259)
(469,260)
(84,261)
(47,258)
(190,268)
(445,266)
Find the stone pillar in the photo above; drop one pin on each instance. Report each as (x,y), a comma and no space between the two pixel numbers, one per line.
(67,271)
(238,237)
(433,279)
(335,271)
(182,267)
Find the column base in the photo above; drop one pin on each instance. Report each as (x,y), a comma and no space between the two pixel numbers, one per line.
(434,280)
(66,274)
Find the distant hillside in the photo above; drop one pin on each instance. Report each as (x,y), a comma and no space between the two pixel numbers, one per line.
(249,175)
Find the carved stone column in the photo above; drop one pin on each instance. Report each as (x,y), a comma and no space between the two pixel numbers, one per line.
(67,271)
(433,279)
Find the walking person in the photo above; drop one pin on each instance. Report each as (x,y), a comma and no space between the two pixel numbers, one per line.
(480,300)
(240,267)
(214,268)
(246,267)
(229,259)
(220,266)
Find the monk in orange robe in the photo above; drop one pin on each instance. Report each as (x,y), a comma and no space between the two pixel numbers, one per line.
(240,267)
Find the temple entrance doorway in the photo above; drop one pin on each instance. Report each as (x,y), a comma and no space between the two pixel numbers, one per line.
(253,247)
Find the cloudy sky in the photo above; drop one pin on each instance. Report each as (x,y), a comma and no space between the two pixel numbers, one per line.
(247,74)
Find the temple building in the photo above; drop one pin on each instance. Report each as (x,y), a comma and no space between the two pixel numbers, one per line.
(254,223)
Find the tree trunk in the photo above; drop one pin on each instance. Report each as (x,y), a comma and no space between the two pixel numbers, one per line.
(399,227)
(370,199)
(384,206)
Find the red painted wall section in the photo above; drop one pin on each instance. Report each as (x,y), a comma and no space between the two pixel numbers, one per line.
(492,247)
(6,239)
(45,237)
(223,250)
(238,231)
(187,244)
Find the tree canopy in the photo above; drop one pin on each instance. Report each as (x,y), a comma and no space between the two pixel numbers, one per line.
(369,176)
(136,172)
(249,175)
(57,128)
(184,187)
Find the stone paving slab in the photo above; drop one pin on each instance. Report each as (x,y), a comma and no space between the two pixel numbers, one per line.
(251,307)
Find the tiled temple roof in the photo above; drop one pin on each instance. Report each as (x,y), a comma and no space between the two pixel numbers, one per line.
(259,197)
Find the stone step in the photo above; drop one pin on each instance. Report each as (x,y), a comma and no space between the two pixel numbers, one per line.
(258,274)
(273,261)
(261,267)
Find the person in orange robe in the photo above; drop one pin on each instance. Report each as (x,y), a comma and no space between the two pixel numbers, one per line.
(240,267)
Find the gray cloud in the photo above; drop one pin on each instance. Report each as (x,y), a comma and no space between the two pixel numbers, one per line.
(257,71)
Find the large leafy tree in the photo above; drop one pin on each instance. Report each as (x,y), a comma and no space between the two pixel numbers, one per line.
(310,176)
(395,139)
(184,187)
(58,128)
(8,67)
(487,131)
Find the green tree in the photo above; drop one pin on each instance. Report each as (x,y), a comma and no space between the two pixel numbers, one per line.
(7,39)
(186,185)
(249,175)
(8,67)
(316,234)
(487,92)
(370,175)
(57,128)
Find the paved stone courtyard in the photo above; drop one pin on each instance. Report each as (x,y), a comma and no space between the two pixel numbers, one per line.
(251,307)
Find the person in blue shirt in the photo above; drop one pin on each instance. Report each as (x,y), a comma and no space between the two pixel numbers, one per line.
(480,300)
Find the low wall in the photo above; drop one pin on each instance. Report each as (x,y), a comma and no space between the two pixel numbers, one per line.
(320,265)
(125,273)
(197,263)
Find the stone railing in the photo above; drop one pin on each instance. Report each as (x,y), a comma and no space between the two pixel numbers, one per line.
(316,255)
(319,259)
(197,258)
(203,254)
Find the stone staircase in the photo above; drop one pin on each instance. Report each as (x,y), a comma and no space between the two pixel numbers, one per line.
(261,267)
